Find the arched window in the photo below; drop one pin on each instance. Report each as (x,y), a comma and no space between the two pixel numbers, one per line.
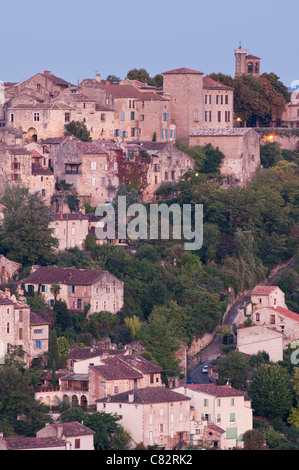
(250,67)
(75,400)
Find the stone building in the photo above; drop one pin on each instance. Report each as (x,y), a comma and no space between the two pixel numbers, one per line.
(8,269)
(70,229)
(78,288)
(15,166)
(247,63)
(218,104)
(152,415)
(89,167)
(76,435)
(222,406)
(241,149)
(21,327)
(155,163)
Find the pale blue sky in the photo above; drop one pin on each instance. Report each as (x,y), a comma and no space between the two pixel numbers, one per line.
(75,38)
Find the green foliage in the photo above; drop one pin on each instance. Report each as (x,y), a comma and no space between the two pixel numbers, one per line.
(232,368)
(26,236)
(271,391)
(253,440)
(17,400)
(270,154)
(79,130)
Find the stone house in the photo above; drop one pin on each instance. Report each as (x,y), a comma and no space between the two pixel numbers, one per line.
(268,308)
(152,415)
(79,359)
(15,166)
(42,180)
(70,229)
(21,327)
(120,374)
(87,166)
(162,163)
(240,146)
(78,288)
(77,436)
(290,117)
(218,104)
(222,406)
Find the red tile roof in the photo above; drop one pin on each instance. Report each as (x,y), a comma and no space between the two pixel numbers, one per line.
(19,443)
(114,368)
(210,83)
(68,276)
(72,429)
(282,311)
(263,290)
(146,396)
(216,390)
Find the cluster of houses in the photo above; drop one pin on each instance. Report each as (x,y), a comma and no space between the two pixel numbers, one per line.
(122,381)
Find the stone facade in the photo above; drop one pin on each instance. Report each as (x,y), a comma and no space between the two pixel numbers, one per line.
(222,406)
(8,269)
(153,416)
(70,229)
(259,338)
(78,288)
(78,436)
(21,327)
(240,146)
(247,63)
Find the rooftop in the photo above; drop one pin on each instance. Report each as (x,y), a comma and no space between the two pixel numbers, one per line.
(216,390)
(263,290)
(69,276)
(182,70)
(146,395)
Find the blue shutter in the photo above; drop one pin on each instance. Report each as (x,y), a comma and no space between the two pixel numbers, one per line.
(122,116)
(162,133)
(46,288)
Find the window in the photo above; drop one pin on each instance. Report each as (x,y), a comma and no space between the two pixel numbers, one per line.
(206,402)
(219,99)
(43,192)
(93,166)
(93,181)
(272,319)
(257,317)
(36,116)
(79,303)
(219,116)
(103,117)
(37,345)
(7,328)
(227,116)
(132,115)
(71,289)
(218,401)
(226,99)
(122,116)
(161,411)
(67,117)
(232,418)
(208,99)
(196,115)
(20,315)
(21,333)
(232,402)
(165,116)
(11,117)
(161,427)
(208,116)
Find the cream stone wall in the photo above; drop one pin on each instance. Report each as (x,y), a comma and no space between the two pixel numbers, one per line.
(240,147)
(259,338)
(70,231)
(218,108)
(185,90)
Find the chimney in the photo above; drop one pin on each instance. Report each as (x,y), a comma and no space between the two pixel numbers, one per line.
(131,398)
(47,72)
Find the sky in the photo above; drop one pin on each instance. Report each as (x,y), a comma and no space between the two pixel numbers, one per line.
(76,39)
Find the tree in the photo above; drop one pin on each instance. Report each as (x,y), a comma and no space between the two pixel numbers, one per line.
(63,317)
(113,78)
(55,290)
(79,130)
(270,154)
(26,235)
(253,440)
(271,391)
(53,348)
(233,369)
(20,413)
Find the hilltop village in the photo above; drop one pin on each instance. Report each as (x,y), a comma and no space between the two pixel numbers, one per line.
(139,344)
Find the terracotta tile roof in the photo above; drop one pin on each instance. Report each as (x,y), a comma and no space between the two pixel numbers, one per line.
(146,396)
(216,390)
(141,364)
(19,443)
(6,299)
(37,169)
(36,320)
(54,79)
(69,276)
(41,106)
(209,83)
(182,70)
(72,429)
(263,290)
(214,427)
(93,147)
(121,91)
(70,216)
(282,311)
(114,368)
